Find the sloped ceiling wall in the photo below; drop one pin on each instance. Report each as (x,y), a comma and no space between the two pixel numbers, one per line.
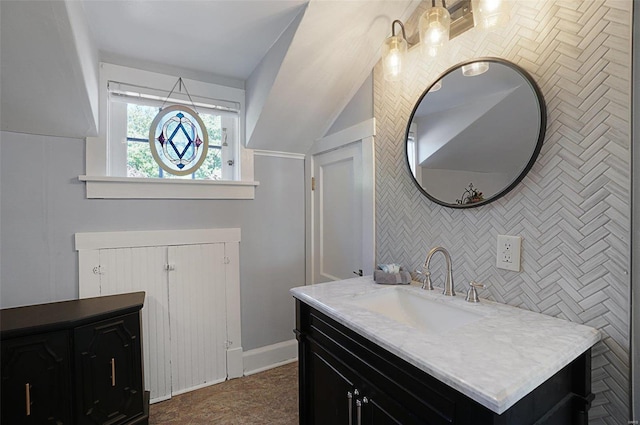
(49,70)
(336,45)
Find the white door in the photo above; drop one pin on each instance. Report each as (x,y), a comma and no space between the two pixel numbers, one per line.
(184,314)
(337,224)
(340,235)
(143,269)
(197,309)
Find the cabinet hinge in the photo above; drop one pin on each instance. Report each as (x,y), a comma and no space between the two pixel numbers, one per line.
(226,260)
(313,183)
(169,267)
(99,270)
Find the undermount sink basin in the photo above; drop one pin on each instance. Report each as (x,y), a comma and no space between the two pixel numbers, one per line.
(414,310)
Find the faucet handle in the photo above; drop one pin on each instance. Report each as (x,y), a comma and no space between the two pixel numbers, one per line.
(425,278)
(472,294)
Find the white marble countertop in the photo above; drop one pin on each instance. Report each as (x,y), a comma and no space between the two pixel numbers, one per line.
(495,360)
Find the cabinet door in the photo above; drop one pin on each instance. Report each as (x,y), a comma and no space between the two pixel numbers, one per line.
(197,305)
(143,269)
(109,371)
(35,380)
(332,391)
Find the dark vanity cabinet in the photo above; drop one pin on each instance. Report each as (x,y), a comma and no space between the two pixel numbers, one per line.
(345,378)
(74,362)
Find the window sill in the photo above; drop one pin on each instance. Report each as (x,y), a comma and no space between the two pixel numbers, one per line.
(104,187)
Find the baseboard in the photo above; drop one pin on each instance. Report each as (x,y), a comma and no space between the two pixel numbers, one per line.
(270,356)
(234,363)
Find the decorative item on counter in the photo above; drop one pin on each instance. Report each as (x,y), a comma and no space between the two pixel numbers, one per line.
(471,195)
(391,274)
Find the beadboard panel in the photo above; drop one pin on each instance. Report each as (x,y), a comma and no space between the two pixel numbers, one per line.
(572,209)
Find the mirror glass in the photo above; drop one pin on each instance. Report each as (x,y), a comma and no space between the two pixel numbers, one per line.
(472,138)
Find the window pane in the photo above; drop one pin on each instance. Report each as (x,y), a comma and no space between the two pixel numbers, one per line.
(214,130)
(139,118)
(211,168)
(140,162)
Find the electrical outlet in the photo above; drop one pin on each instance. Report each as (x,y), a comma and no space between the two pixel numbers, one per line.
(508,253)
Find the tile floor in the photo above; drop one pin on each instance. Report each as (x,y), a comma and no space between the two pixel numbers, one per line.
(269,397)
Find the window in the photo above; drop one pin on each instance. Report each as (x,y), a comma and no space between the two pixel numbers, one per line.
(116,166)
(140,162)
(131,113)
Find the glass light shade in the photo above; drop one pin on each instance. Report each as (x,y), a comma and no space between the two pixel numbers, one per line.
(475,68)
(393,53)
(434,28)
(488,14)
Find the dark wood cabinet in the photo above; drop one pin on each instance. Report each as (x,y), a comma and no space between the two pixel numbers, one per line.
(74,362)
(108,370)
(36,379)
(345,378)
(341,396)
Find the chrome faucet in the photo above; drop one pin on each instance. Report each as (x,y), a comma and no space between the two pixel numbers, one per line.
(448,282)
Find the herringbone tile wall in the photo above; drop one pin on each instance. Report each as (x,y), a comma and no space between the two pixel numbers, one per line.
(572,209)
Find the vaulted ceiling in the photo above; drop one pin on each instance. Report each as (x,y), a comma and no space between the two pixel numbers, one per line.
(300,61)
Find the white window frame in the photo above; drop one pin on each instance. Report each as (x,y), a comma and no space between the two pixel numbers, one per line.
(100,184)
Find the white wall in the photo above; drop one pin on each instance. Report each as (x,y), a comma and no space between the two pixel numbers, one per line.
(43,205)
(359,108)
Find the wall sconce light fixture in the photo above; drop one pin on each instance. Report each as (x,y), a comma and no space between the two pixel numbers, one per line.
(393,52)
(439,24)
(434,26)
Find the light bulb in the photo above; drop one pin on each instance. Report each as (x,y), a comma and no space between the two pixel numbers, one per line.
(434,28)
(394,49)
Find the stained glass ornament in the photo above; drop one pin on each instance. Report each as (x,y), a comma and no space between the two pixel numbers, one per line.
(178,140)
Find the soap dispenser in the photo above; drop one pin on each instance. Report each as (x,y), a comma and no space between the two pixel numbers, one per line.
(472,294)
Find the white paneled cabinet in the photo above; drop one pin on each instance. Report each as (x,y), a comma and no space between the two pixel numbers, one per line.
(191,316)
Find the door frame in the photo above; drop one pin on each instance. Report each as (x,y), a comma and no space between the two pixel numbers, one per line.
(363,134)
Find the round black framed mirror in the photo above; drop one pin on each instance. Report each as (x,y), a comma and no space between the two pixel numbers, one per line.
(475,133)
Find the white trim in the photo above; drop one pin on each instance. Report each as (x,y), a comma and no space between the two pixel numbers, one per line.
(105,240)
(101,182)
(277,154)
(235,365)
(270,356)
(105,187)
(368,205)
(344,137)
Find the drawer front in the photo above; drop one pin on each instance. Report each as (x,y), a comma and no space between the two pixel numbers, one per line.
(109,370)
(36,379)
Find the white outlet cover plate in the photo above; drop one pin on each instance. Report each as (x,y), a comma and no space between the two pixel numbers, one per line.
(508,252)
